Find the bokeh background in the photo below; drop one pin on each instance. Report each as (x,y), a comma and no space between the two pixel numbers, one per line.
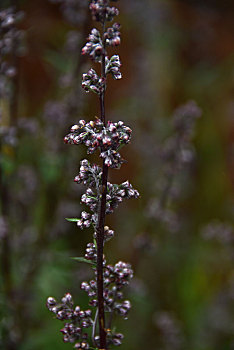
(179,236)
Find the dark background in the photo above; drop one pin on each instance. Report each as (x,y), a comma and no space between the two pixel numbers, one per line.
(183,290)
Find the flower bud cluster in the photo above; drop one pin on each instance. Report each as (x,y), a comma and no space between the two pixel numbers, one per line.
(91,252)
(107,138)
(74,11)
(113,66)
(85,220)
(122,274)
(112,338)
(72,43)
(89,175)
(7,70)
(122,308)
(219,231)
(7,18)
(115,279)
(78,320)
(112,35)
(91,82)
(11,40)
(9,34)
(185,117)
(177,150)
(82,345)
(94,47)
(91,289)
(90,199)
(108,234)
(117,193)
(170,330)
(8,135)
(101,12)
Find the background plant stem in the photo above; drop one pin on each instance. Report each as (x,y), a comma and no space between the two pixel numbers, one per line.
(6,251)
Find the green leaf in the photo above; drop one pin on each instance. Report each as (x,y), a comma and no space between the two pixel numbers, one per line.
(72,219)
(95,243)
(80,259)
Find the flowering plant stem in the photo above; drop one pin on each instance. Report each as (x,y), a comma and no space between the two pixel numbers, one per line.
(101,218)
(101,196)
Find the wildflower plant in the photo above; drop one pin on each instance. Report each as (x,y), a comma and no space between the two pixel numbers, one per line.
(105,290)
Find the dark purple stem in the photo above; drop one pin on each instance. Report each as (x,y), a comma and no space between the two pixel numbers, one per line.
(101,222)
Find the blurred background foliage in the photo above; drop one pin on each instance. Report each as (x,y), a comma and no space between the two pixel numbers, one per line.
(179,236)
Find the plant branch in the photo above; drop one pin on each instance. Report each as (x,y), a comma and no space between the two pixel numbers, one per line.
(94,328)
(101,220)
